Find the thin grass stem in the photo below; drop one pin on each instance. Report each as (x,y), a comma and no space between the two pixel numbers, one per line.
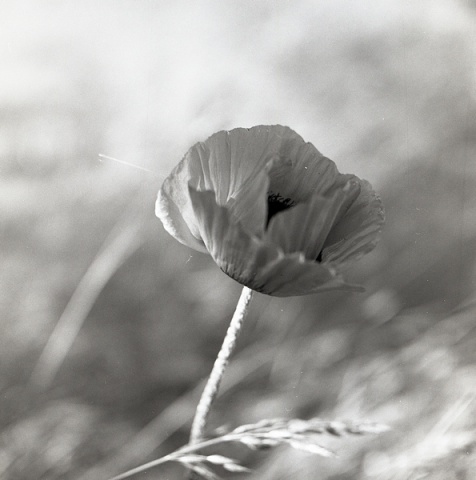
(173,456)
(121,242)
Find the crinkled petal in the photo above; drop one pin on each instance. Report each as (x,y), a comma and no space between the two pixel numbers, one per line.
(228,159)
(299,171)
(304,227)
(254,262)
(250,204)
(234,165)
(352,187)
(174,209)
(228,189)
(293,275)
(358,230)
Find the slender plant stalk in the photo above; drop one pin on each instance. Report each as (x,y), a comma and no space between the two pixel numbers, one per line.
(175,455)
(209,393)
(158,430)
(122,241)
(213,384)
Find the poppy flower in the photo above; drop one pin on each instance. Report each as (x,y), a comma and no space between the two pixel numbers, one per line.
(271,210)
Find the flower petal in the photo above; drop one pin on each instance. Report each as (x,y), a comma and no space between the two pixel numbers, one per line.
(250,204)
(227,190)
(357,232)
(233,165)
(174,209)
(230,245)
(304,227)
(293,275)
(300,171)
(229,159)
(254,262)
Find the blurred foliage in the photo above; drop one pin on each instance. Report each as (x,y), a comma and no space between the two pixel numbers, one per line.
(385,89)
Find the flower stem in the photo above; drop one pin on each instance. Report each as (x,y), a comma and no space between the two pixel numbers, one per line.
(213,384)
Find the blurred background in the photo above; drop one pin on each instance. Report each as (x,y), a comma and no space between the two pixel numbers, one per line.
(108,325)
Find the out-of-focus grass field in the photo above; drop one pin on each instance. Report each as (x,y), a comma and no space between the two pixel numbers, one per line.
(384,88)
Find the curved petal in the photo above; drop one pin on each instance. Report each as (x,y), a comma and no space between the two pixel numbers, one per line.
(250,204)
(304,227)
(233,165)
(300,171)
(293,275)
(228,189)
(357,232)
(229,159)
(255,262)
(174,210)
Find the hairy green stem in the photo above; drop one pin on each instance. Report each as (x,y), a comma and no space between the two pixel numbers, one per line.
(213,384)
(210,392)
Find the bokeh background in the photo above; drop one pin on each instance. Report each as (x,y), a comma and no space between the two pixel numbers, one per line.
(108,325)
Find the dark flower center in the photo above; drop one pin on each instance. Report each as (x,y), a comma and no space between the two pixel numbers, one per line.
(276,204)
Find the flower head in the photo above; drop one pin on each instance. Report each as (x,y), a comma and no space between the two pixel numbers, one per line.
(272,211)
